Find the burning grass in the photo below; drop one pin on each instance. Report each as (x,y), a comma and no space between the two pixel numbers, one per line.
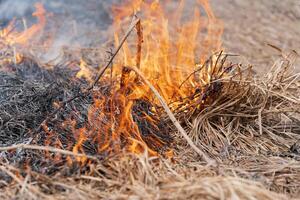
(249,125)
(134,131)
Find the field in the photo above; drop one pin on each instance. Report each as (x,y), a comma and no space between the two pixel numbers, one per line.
(153,100)
(251,25)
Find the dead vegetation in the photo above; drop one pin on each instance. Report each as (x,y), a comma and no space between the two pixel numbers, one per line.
(249,125)
(233,135)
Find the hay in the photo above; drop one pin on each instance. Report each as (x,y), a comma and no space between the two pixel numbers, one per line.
(50,149)
(251,129)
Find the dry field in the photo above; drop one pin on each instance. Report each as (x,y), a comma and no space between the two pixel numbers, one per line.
(139,118)
(251,25)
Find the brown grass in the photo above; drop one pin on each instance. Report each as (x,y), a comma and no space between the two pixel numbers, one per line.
(250,129)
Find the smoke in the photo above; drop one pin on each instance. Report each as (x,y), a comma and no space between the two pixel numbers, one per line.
(83,23)
(88,11)
(76,22)
(10,9)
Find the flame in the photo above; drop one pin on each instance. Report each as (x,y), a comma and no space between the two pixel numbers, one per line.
(20,40)
(78,146)
(13,37)
(172,47)
(170,44)
(85,71)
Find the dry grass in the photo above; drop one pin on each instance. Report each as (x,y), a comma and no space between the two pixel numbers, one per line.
(251,129)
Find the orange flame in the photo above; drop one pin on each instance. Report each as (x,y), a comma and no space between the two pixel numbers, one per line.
(85,71)
(174,46)
(22,38)
(172,49)
(10,37)
(170,43)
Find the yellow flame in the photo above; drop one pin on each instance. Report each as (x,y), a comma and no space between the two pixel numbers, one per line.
(170,44)
(14,37)
(85,71)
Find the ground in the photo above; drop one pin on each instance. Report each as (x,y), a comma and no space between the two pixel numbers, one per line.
(249,125)
(251,25)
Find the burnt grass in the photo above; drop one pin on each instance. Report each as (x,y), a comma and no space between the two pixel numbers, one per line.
(27,98)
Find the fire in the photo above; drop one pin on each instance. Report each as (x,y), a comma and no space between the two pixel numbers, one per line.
(13,37)
(172,47)
(85,71)
(19,40)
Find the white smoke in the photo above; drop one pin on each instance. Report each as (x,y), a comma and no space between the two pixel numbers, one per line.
(77,22)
